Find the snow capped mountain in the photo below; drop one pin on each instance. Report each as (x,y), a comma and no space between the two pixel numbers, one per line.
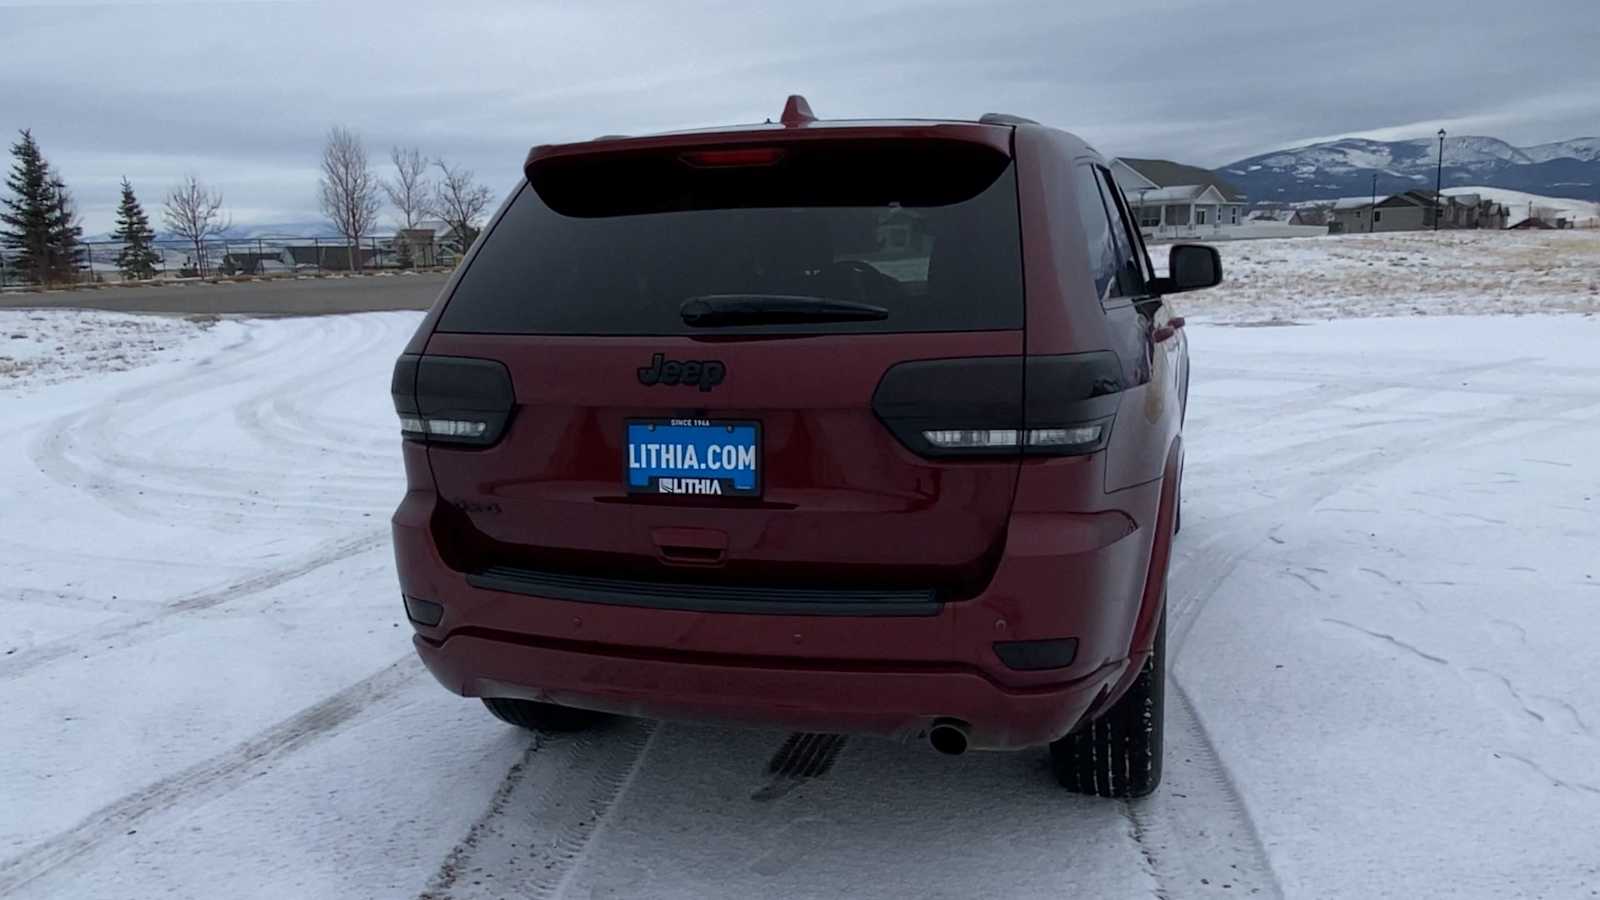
(1346,167)
(318,229)
(1586,149)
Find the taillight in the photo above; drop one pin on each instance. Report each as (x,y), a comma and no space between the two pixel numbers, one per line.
(1002,405)
(452,399)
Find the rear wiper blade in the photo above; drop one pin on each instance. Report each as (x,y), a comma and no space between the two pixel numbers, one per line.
(713,310)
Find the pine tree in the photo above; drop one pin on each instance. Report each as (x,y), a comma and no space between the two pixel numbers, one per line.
(137,258)
(25,214)
(38,219)
(65,235)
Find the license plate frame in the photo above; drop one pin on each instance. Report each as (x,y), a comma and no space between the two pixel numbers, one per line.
(647,479)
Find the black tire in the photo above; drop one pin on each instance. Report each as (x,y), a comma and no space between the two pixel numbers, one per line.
(1177,504)
(1119,754)
(546,717)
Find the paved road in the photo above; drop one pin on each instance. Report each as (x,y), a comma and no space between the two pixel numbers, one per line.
(298,297)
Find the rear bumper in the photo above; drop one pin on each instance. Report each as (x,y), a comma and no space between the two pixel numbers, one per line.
(1061,576)
(893,703)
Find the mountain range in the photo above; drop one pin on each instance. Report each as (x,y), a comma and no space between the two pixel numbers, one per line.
(248,232)
(1344,168)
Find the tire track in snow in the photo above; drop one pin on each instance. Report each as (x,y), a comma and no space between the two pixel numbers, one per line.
(148,480)
(206,779)
(117,635)
(1196,833)
(1194,580)
(1202,573)
(889,820)
(545,815)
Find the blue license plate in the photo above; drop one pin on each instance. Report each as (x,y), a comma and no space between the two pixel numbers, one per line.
(694,456)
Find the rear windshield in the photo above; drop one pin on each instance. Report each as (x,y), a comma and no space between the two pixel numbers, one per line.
(616,245)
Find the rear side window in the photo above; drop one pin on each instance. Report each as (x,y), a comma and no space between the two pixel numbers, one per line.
(1130,273)
(1102,247)
(616,244)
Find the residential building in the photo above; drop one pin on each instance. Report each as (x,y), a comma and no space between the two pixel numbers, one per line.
(1410,211)
(433,243)
(1414,211)
(1271,213)
(1173,199)
(253,262)
(330,256)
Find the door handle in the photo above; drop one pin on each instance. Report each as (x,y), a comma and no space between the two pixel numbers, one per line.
(1163,332)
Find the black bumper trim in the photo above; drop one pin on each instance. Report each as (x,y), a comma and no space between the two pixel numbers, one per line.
(769,601)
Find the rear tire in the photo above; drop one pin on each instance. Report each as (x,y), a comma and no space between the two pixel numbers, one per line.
(1119,754)
(546,717)
(1177,504)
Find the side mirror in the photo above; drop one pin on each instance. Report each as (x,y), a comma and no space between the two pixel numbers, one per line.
(1191,267)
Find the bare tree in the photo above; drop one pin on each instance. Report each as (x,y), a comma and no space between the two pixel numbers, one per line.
(460,201)
(408,190)
(408,193)
(193,212)
(349,190)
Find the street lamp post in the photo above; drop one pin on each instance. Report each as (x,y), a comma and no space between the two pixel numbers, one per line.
(1438,182)
(1372,211)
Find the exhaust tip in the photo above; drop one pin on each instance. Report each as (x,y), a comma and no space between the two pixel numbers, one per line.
(948,737)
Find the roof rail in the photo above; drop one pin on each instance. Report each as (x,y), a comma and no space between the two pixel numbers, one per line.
(1004,119)
(611,137)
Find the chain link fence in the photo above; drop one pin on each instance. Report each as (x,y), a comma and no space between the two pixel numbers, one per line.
(256,257)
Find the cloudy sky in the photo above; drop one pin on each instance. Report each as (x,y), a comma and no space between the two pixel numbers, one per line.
(242,93)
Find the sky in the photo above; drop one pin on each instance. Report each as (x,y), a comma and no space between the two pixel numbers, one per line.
(242,94)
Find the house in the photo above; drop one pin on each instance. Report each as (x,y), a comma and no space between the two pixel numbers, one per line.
(1461,210)
(252,262)
(329,257)
(1414,211)
(1175,199)
(1473,211)
(1283,214)
(1312,215)
(1410,211)
(415,245)
(1532,224)
(1271,214)
(433,242)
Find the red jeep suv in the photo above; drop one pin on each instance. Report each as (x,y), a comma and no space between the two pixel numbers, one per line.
(854,427)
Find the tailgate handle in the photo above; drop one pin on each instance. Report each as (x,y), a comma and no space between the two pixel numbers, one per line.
(690,546)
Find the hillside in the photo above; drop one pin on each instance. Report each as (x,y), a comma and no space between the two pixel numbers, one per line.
(1344,168)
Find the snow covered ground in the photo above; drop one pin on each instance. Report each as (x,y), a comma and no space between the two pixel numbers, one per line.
(1414,273)
(1247,231)
(45,347)
(1383,611)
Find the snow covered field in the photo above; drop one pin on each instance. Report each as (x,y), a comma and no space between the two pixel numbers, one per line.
(1384,609)
(1415,273)
(44,347)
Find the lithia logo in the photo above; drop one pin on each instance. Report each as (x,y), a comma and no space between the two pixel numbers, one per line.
(706,373)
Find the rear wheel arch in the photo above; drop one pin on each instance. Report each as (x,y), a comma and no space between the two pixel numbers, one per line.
(1153,601)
